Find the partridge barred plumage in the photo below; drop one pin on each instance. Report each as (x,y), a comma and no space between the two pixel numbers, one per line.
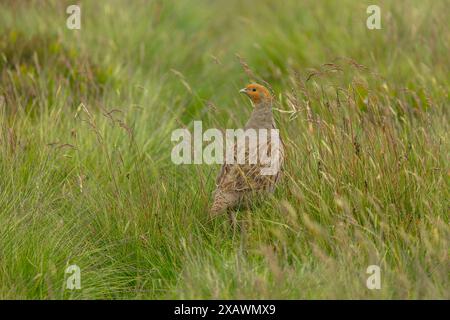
(239,184)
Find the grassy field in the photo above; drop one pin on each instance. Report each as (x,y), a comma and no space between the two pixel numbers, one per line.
(86,176)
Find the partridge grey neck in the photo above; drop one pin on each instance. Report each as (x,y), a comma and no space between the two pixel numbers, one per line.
(261,117)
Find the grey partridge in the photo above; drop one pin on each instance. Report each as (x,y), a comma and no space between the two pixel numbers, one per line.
(240,183)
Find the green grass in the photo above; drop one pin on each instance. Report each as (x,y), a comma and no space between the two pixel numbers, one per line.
(85,170)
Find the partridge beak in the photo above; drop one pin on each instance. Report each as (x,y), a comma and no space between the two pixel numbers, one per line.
(243,90)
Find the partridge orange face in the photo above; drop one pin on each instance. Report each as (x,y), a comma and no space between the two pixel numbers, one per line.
(257,93)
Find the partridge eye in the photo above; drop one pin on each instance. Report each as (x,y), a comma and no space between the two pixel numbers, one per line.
(254,90)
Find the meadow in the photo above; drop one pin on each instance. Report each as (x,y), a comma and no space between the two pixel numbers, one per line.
(86,177)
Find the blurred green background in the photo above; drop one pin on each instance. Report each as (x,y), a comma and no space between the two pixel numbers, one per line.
(85,171)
